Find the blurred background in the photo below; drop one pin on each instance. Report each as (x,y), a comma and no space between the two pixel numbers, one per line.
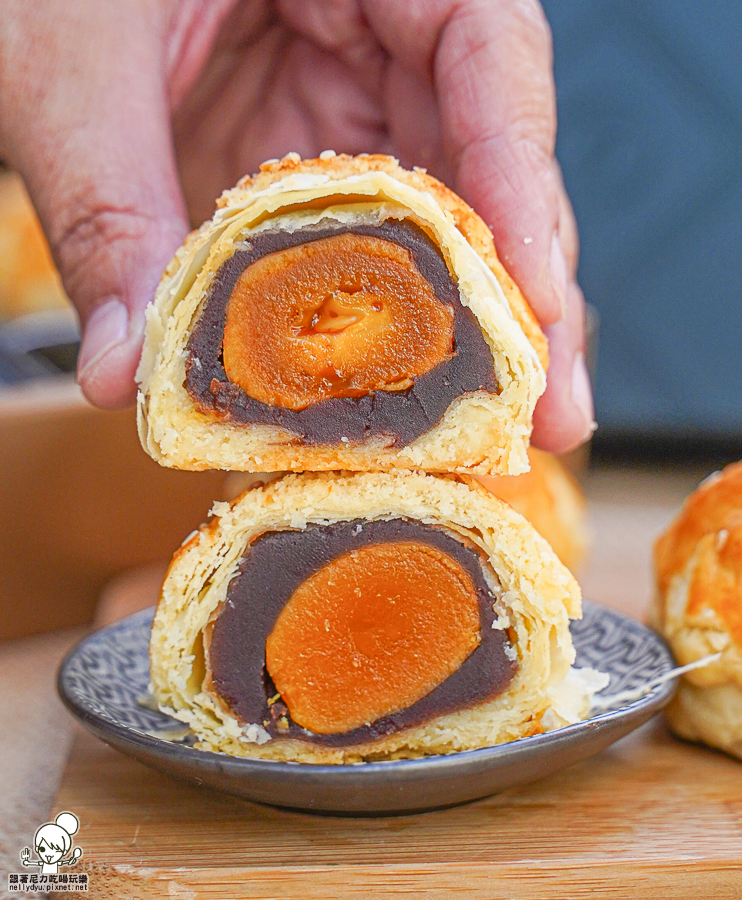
(80,500)
(650,126)
(38,330)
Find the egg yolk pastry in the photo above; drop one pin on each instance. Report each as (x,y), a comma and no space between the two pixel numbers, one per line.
(329,618)
(698,609)
(340,313)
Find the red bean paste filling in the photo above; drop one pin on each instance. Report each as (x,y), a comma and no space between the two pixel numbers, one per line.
(400,416)
(273,567)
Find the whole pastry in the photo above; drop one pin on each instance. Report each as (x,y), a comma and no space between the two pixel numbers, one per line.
(552,501)
(340,313)
(698,609)
(336,618)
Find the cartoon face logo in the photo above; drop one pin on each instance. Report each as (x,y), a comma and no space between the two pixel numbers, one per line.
(45,846)
(51,842)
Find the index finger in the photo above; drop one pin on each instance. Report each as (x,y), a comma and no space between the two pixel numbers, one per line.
(497,103)
(490,65)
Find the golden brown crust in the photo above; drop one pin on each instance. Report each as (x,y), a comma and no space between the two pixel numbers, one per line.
(716,580)
(698,608)
(712,715)
(716,504)
(552,501)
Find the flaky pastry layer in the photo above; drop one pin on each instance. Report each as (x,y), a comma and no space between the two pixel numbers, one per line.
(537,597)
(480,432)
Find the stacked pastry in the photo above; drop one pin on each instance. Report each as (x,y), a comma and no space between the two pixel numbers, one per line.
(349,320)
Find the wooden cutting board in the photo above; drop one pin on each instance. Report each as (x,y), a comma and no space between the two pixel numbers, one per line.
(651,817)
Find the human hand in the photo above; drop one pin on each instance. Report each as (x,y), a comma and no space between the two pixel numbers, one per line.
(123,116)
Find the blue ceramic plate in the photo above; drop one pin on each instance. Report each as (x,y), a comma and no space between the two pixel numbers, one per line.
(104,679)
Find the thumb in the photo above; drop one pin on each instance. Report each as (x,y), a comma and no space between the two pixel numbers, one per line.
(88,128)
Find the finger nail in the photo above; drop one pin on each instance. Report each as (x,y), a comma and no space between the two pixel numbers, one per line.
(558,272)
(582,395)
(107,326)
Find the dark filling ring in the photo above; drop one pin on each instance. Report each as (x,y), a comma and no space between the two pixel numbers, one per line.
(400,416)
(275,564)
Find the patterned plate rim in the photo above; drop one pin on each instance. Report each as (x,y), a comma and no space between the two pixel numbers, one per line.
(647,705)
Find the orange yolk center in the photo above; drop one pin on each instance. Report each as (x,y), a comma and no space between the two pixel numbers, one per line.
(342,316)
(371,633)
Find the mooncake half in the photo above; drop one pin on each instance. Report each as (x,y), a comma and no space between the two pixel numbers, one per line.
(342,618)
(340,313)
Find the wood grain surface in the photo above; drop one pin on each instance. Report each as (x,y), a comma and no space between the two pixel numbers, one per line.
(83,503)
(650,817)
